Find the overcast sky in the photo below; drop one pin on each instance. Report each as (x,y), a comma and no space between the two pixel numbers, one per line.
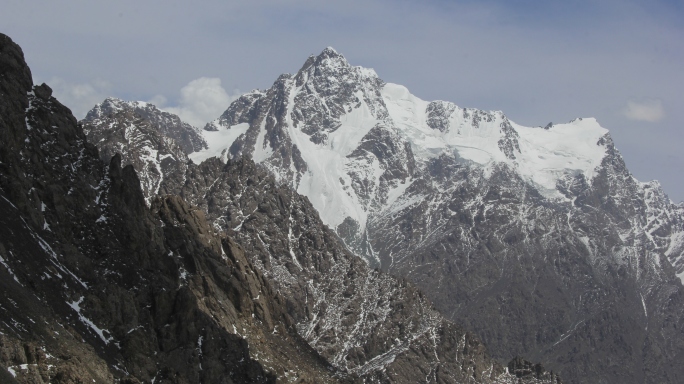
(538,61)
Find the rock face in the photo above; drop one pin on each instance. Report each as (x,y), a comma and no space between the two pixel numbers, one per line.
(539,239)
(579,283)
(100,287)
(187,137)
(365,323)
(97,287)
(154,142)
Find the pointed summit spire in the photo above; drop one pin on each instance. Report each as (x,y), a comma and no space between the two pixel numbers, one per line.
(330,52)
(328,58)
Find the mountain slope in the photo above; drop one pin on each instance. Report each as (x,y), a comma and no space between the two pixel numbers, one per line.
(100,288)
(363,322)
(538,238)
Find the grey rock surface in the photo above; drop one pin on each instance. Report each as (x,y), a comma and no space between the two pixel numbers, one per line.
(155,142)
(584,275)
(187,137)
(97,287)
(366,323)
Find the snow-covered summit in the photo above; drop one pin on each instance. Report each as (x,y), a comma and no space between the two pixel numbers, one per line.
(361,148)
(330,52)
(112,105)
(541,156)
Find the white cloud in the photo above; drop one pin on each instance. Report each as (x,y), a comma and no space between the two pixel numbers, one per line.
(650,110)
(80,98)
(158,100)
(202,100)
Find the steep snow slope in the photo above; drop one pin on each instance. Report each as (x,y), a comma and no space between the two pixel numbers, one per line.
(324,113)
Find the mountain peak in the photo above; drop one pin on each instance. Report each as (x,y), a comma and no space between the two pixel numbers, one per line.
(112,105)
(329,57)
(104,117)
(330,52)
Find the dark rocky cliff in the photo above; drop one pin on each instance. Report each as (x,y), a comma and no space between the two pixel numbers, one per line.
(97,287)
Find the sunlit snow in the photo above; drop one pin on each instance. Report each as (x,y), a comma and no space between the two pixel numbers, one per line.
(545,154)
(218,142)
(472,135)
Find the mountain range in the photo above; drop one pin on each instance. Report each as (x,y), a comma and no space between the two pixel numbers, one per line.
(108,276)
(537,238)
(371,222)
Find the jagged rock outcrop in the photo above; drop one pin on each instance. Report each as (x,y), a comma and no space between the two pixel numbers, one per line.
(187,137)
(155,142)
(97,287)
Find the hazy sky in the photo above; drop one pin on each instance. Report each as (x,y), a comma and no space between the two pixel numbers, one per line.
(538,61)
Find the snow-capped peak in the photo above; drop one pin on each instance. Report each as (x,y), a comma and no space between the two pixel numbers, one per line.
(329,60)
(330,52)
(112,105)
(541,156)
(353,144)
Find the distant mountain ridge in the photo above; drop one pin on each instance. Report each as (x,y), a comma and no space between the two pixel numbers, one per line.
(185,135)
(537,238)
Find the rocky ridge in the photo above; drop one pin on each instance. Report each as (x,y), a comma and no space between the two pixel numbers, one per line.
(152,140)
(538,238)
(100,287)
(364,322)
(187,137)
